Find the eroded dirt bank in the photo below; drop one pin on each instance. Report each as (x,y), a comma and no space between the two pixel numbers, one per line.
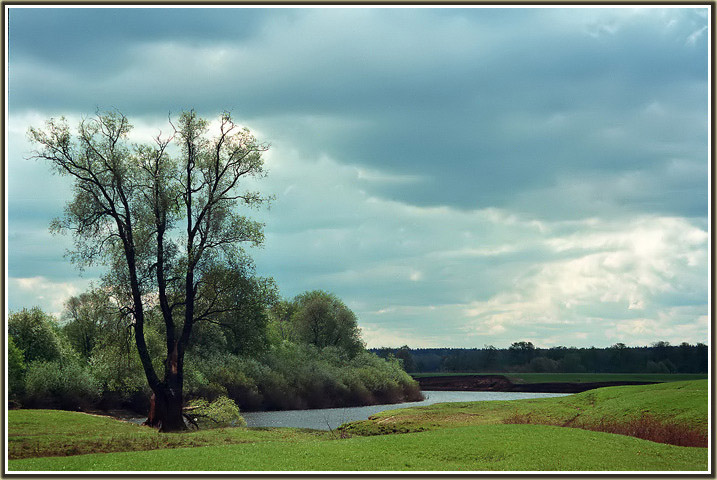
(499,383)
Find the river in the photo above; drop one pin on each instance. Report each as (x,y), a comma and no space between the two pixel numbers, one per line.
(330,418)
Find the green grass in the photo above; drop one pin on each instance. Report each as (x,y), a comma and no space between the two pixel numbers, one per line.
(474,436)
(580,377)
(679,403)
(487,447)
(33,433)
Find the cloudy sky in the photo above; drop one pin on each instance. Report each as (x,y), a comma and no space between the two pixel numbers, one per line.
(458,176)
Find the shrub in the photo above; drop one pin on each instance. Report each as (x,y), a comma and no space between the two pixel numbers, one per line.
(217,375)
(222,412)
(543,365)
(650,428)
(15,369)
(119,373)
(646,427)
(66,385)
(663,366)
(297,376)
(35,333)
(278,393)
(386,379)
(358,393)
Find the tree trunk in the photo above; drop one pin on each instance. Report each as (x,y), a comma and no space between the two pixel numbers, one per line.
(165,410)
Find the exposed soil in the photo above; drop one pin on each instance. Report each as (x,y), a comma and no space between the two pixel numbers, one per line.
(646,427)
(499,383)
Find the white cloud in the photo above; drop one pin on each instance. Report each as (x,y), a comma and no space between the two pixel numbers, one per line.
(495,276)
(377,176)
(614,270)
(47,294)
(415,276)
(694,36)
(380,335)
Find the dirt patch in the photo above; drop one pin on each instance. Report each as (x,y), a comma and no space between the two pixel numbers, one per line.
(500,383)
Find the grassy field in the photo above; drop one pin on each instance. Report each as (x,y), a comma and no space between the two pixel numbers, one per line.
(669,409)
(514,436)
(45,433)
(580,377)
(488,447)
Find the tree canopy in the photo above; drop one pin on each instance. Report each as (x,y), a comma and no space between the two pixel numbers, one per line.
(322,319)
(35,334)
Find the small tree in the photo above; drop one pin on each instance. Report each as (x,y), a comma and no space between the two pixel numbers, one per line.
(620,359)
(280,315)
(522,352)
(404,354)
(15,369)
(241,327)
(490,356)
(321,319)
(85,315)
(35,333)
(163,223)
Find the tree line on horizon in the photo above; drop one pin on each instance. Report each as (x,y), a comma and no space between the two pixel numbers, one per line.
(524,357)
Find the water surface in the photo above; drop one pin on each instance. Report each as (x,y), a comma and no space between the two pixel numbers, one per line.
(330,418)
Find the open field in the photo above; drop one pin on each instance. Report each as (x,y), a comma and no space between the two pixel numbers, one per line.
(487,447)
(516,435)
(580,377)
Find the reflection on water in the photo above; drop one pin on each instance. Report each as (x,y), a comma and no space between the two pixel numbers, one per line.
(330,418)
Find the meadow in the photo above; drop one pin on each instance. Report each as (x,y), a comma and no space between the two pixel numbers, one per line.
(524,435)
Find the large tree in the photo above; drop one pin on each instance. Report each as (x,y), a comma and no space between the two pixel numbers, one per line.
(164,217)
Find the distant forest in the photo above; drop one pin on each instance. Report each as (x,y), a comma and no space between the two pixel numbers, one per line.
(660,357)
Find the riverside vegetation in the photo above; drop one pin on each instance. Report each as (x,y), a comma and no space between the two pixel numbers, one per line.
(88,362)
(513,435)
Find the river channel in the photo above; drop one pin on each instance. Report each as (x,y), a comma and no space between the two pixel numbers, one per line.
(330,418)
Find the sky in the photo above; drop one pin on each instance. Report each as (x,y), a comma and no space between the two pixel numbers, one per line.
(459,177)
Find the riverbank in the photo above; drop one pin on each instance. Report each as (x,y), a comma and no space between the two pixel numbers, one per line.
(500,383)
(333,418)
(674,413)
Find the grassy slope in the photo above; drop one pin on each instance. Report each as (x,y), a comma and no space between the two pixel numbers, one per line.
(33,433)
(488,447)
(684,403)
(482,440)
(580,377)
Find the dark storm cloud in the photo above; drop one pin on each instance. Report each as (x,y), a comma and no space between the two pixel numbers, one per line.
(465,97)
(490,106)
(71,36)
